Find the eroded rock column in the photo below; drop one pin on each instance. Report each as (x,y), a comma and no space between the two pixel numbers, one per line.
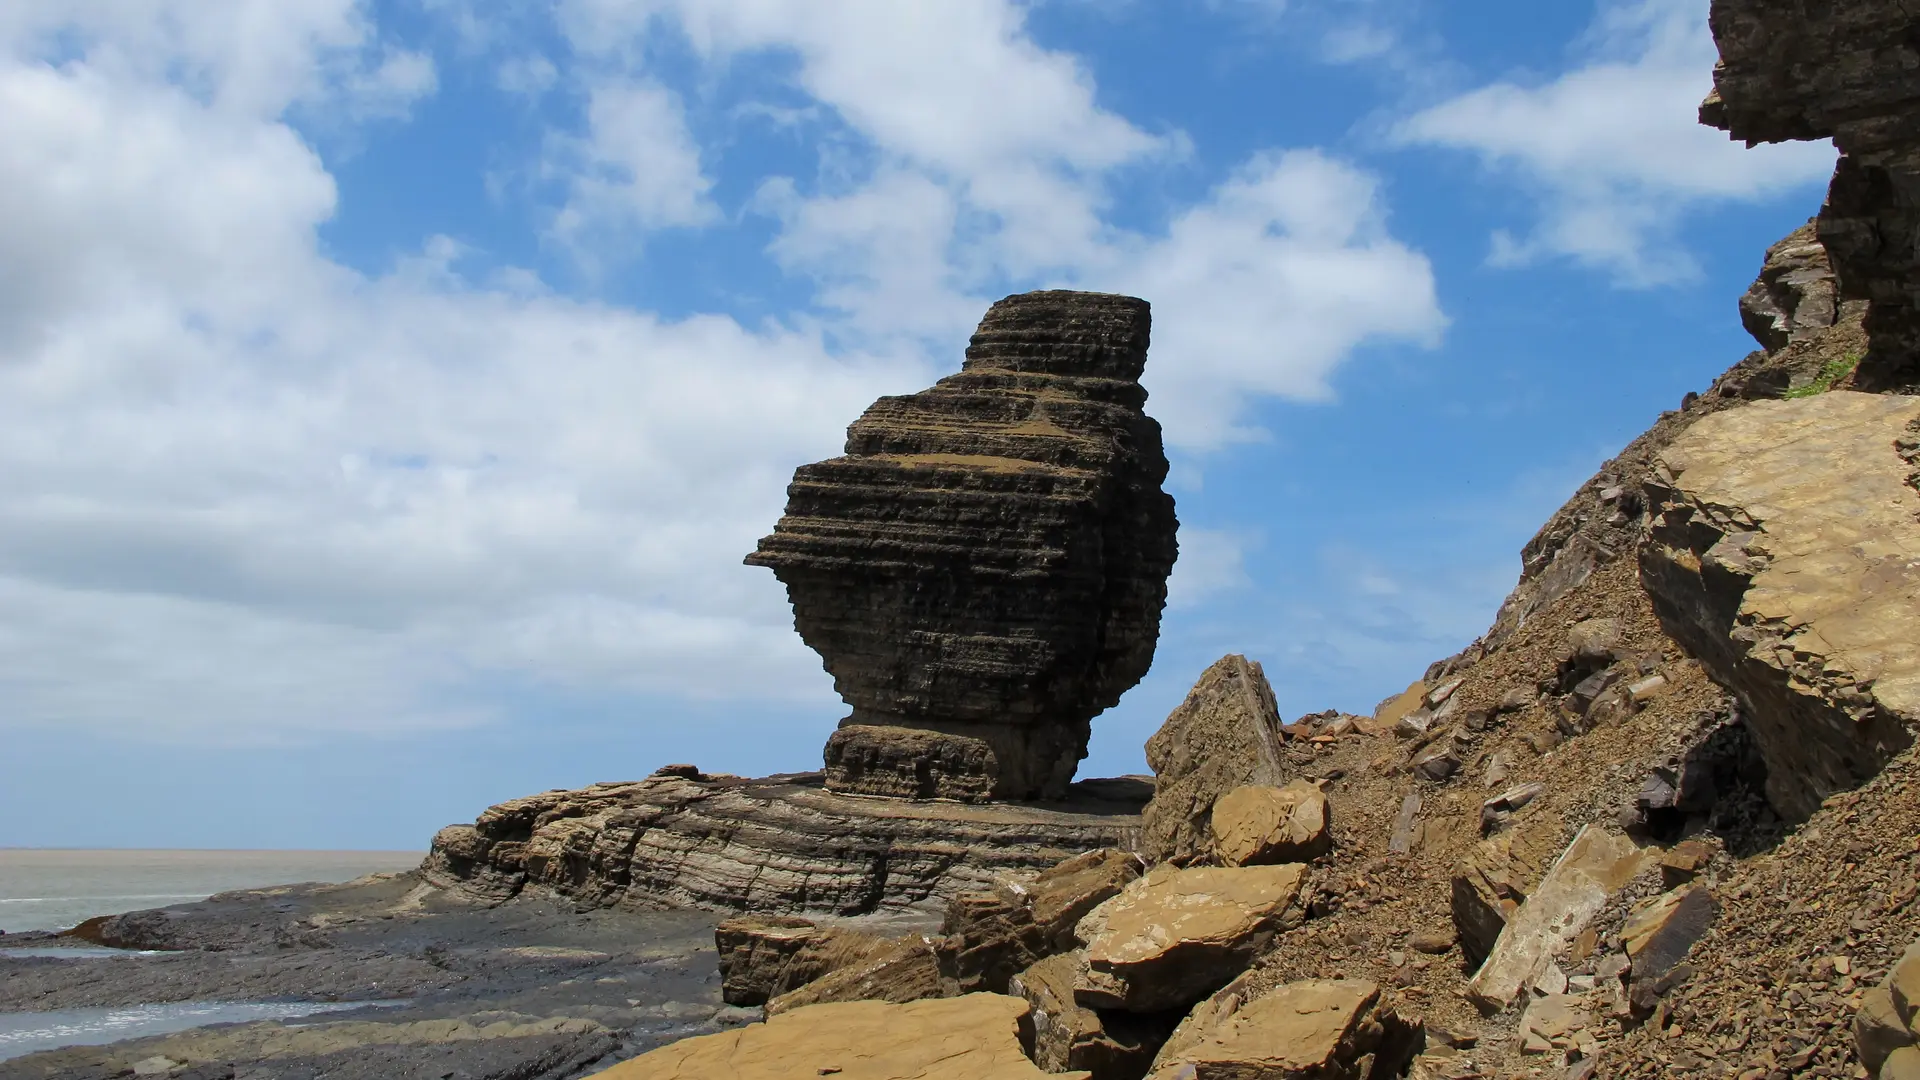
(983,570)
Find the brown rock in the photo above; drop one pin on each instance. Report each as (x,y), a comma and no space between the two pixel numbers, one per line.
(1658,935)
(1258,824)
(989,557)
(1225,735)
(990,935)
(1389,712)
(1877,1029)
(1779,559)
(1109,1044)
(907,969)
(1174,936)
(1684,862)
(977,1037)
(1902,1064)
(1311,1030)
(764,956)
(1594,641)
(1904,983)
(780,845)
(1493,880)
(1432,942)
(1588,874)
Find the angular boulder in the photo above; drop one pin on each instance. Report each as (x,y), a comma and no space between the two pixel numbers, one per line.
(1785,556)
(764,956)
(1588,874)
(1110,1044)
(906,969)
(1225,735)
(990,935)
(976,1037)
(1259,824)
(1658,935)
(1493,880)
(1176,935)
(1317,1029)
(986,564)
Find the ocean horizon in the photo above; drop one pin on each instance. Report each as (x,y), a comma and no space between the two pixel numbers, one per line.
(56,888)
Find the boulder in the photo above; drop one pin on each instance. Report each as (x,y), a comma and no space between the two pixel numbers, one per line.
(1109,1044)
(1781,559)
(764,956)
(1594,642)
(1658,934)
(1904,983)
(987,562)
(976,1037)
(1877,1029)
(990,935)
(1176,935)
(1225,735)
(1902,1064)
(1588,874)
(907,969)
(1494,879)
(1258,824)
(1312,1030)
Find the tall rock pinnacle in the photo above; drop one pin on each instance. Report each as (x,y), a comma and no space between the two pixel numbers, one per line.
(983,570)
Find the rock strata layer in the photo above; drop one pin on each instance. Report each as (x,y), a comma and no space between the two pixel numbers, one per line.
(983,570)
(782,845)
(1785,556)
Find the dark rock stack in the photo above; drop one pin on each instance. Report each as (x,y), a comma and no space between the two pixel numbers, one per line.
(983,570)
(1847,72)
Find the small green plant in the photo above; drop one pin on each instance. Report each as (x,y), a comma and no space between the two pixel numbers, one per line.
(1831,372)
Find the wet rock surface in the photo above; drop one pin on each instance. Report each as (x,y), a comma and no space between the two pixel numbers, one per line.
(522,991)
(983,570)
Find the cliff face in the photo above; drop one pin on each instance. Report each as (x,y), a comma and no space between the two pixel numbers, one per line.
(983,570)
(1809,69)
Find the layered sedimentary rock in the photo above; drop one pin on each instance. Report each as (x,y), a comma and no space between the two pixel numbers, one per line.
(983,570)
(1225,735)
(1793,70)
(779,845)
(1785,556)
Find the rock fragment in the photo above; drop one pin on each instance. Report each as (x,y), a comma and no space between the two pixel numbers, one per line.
(1067,1036)
(1225,735)
(764,956)
(1260,824)
(1317,1029)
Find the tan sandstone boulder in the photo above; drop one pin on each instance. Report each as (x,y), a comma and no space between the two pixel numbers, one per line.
(976,1037)
(1176,935)
(991,934)
(1226,734)
(764,956)
(1258,824)
(906,970)
(1319,1029)
(1110,1044)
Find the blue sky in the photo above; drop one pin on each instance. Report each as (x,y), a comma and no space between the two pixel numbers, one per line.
(389,390)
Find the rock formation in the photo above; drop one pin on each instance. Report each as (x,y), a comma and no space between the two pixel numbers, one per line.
(780,845)
(983,570)
(1225,735)
(1789,70)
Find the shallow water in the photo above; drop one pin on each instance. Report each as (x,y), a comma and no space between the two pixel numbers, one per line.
(28,1033)
(49,889)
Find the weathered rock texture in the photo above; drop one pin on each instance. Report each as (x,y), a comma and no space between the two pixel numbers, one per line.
(986,564)
(1320,1029)
(1786,557)
(781,845)
(764,956)
(1257,824)
(990,935)
(1110,1044)
(1790,69)
(977,1037)
(1225,735)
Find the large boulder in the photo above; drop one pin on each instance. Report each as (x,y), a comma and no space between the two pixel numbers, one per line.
(1317,1029)
(1259,824)
(986,564)
(976,1037)
(1176,935)
(764,956)
(1494,878)
(907,969)
(1225,735)
(1782,557)
(1109,1043)
(991,934)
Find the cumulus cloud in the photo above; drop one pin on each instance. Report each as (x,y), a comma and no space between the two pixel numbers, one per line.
(1612,149)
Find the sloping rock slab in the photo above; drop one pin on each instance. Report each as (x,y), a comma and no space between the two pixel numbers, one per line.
(782,845)
(977,1037)
(1786,557)
(1225,735)
(1314,1030)
(1592,870)
(1175,936)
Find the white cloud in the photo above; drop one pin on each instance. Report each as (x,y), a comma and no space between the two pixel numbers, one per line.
(637,166)
(529,76)
(1613,149)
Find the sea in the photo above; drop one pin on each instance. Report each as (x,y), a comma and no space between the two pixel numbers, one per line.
(52,889)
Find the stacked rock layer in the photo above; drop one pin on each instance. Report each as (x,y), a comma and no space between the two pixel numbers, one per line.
(983,570)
